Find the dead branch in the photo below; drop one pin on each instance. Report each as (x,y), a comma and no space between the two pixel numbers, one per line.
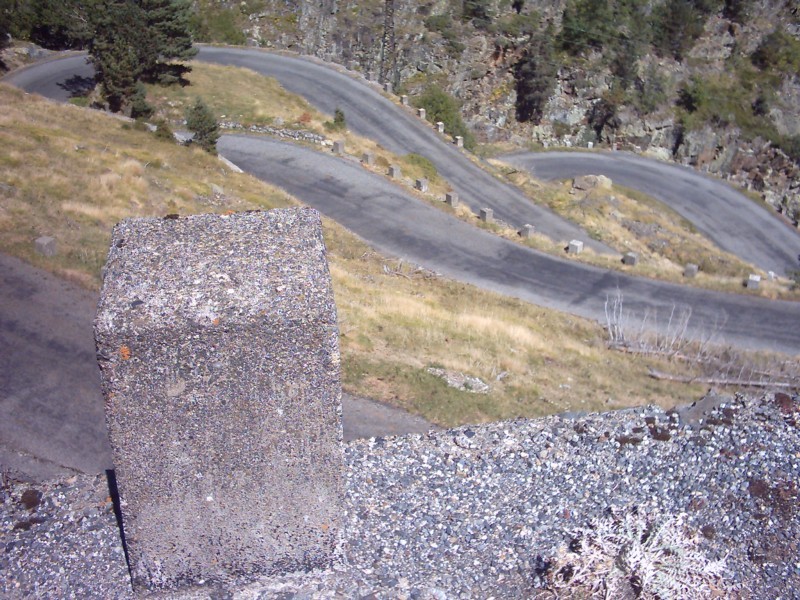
(719,381)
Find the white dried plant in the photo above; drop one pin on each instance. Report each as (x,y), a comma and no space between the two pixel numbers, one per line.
(638,556)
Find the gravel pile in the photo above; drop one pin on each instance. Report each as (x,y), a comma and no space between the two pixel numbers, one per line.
(481,512)
(292,134)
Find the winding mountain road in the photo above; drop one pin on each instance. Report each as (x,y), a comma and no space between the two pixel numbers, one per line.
(729,219)
(399,224)
(368,113)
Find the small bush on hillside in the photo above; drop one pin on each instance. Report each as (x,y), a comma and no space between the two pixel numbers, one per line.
(426,166)
(200,121)
(519,25)
(339,123)
(441,106)
(586,25)
(479,12)
(779,51)
(439,23)
(140,109)
(651,90)
(443,25)
(694,95)
(164,131)
(676,26)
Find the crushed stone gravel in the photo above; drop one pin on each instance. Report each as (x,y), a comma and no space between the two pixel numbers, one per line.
(479,512)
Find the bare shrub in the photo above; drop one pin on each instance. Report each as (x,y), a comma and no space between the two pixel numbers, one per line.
(703,361)
(637,555)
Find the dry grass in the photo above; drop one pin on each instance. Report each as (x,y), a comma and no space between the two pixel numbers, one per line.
(631,221)
(72,173)
(243,96)
(240,95)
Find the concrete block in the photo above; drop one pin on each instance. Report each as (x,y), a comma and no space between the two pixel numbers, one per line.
(440,126)
(338,147)
(46,246)
(217,343)
(575,247)
(387,87)
(527,231)
(459,141)
(690,270)
(451,198)
(404,100)
(421,185)
(394,172)
(486,215)
(421,113)
(590,145)
(368,158)
(630,258)
(753,281)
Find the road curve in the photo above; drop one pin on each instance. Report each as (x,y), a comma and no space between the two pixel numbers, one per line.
(729,219)
(51,406)
(368,113)
(400,225)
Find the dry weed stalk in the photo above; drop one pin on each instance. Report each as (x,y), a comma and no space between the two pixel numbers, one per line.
(413,271)
(706,361)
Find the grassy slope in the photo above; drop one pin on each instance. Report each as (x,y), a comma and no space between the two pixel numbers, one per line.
(623,219)
(240,95)
(72,173)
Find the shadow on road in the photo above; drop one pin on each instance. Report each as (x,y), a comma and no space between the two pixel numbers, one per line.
(77,86)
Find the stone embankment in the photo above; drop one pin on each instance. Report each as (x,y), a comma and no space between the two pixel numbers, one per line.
(488,510)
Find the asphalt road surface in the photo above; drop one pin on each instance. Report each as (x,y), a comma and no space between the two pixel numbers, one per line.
(51,407)
(729,219)
(398,224)
(406,227)
(368,113)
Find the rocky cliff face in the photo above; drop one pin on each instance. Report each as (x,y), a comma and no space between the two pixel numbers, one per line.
(474,60)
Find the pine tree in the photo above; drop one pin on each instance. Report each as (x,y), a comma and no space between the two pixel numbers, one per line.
(200,121)
(5,25)
(61,24)
(535,76)
(168,25)
(138,40)
(117,51)
(586,24)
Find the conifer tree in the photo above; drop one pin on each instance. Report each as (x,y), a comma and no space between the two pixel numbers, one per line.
(168,25)
(138,40)
(200,121)
(5,24)
(117,51)
(535,76)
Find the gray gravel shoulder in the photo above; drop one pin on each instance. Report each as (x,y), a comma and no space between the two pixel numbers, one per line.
(482,511)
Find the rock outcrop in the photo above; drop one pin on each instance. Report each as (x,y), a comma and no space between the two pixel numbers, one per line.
(474,62)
